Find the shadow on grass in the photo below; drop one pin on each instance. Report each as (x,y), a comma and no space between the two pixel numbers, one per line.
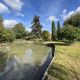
(60,72)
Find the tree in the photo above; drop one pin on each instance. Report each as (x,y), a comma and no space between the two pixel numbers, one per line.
(53,31)
(36,27)
(19,31)
(59,36)
(69,33)
(74,20)
(45,35)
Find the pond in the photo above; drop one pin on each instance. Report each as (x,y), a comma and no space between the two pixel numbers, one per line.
(24,61)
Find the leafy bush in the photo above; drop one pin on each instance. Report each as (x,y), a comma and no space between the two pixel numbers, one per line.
(7,35)
(45,36)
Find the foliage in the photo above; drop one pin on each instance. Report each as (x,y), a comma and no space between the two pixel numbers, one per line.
(73,20)
(59,35)
(36,27)
(53,31)
(69,32)
(45,35)
(19,31)
(77,34)
(7,35)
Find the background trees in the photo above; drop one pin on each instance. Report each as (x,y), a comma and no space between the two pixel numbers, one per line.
(36,27)
(69,31)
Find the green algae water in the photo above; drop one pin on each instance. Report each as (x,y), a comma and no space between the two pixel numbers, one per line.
(23,60)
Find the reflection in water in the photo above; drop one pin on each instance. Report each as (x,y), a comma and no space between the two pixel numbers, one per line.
(24,68)
(28,57)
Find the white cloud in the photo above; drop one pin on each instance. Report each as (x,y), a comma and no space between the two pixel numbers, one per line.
(3,8)
(64,11)
(66,16)
(52,18)
(9,23)
(20,14)
(78,9)
(14,4)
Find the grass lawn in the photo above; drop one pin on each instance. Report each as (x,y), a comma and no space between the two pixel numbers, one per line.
(66,65)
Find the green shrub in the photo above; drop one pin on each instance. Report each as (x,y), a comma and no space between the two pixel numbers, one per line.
(45,36)
(7,35)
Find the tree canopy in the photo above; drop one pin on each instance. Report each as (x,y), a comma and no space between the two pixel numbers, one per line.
(74,20)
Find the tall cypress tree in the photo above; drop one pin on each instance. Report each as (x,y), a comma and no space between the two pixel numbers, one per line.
(53,31)
(58,31)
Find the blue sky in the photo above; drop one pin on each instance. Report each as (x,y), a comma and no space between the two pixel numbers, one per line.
(14,11)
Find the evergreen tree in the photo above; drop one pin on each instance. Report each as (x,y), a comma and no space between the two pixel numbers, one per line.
(36,27)
(53,31)
(58,31)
